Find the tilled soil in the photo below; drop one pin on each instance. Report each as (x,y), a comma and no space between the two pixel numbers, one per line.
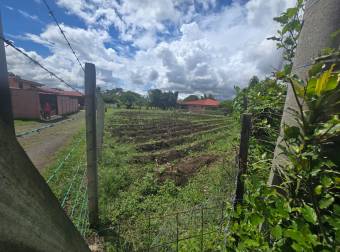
(180,173)
(167,143)
(147,136)
(171,155)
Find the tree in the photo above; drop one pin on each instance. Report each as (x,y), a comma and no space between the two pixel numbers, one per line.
(227,105)
(162,100)
(253,81)
(207,96)
(112,96)
(191,98)
(130,99)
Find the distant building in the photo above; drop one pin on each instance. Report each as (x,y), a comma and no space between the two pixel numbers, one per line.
(29,98)
(200,105)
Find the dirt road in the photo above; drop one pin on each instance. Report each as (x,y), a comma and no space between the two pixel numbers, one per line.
(42,146)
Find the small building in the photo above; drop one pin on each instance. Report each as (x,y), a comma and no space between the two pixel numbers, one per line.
(29,98)
(200,105)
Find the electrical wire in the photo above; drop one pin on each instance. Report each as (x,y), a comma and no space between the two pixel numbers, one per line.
(63,33)
(10,43)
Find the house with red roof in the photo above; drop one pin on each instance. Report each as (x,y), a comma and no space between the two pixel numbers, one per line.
(200,105)
(29,99)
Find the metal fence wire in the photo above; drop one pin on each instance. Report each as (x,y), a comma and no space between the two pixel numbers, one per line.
(168,232)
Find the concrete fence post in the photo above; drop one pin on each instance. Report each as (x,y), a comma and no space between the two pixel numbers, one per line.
(100,123)
(242,157)
(31,218)
(321,19)
(5,95)
(91,143)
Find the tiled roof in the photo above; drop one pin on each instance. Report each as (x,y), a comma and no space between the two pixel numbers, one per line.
(203,102)
(59,91)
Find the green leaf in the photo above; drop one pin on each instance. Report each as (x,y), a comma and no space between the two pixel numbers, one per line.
(250,243)
(256,220)
(280,74)
(309,214)
(274,38)
(311,84)
(294,234)
(318,189)
(281,19)
(277,232)
(332,82)
(297,247)
(326,181)
(316,68)
(326,202)
(291,12)
(288,68)
(322,82)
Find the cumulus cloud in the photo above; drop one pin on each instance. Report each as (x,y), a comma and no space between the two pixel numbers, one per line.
(188,46)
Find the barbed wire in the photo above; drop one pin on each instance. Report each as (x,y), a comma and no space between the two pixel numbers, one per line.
(10,43)
(63,33)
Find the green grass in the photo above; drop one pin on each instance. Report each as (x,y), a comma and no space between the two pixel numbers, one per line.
(67,179)
(23,125)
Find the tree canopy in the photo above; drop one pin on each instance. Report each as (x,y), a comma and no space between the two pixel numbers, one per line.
(120,97)
(191,98)
(163,100)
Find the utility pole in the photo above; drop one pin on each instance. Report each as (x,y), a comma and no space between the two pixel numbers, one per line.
(321,19)
(5,95)
(91,143)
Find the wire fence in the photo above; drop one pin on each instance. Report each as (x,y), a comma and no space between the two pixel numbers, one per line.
(67,179)
(197,228)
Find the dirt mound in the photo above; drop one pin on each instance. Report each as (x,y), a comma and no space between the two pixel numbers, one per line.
(180,173)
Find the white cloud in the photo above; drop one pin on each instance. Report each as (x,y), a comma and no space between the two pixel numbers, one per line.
(9,7)
(209,53)
(29,16)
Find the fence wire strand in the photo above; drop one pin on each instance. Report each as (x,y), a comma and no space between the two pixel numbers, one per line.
(10,43)
(63,33)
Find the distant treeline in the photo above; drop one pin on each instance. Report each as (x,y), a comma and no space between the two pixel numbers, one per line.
(155,98)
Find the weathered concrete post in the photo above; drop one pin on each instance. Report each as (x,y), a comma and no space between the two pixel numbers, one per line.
(91,143)
(321,19)
(242,157)
(5,95)
(31,218)
(100,123)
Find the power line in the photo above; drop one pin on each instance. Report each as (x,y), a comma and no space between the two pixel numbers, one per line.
(9,43)
(62,32)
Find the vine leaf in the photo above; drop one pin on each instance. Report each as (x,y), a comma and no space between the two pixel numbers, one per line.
(309,214)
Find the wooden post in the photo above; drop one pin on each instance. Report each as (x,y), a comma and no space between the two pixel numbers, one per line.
(245,103)
(91,150)
(5,95)
(100,123)
(242,157)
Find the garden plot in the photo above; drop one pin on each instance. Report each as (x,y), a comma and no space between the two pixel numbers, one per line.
(164,137)
(159,162)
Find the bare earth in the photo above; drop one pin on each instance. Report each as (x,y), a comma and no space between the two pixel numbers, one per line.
(42,147)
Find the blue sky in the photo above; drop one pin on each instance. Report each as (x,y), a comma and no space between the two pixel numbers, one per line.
(193,46)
